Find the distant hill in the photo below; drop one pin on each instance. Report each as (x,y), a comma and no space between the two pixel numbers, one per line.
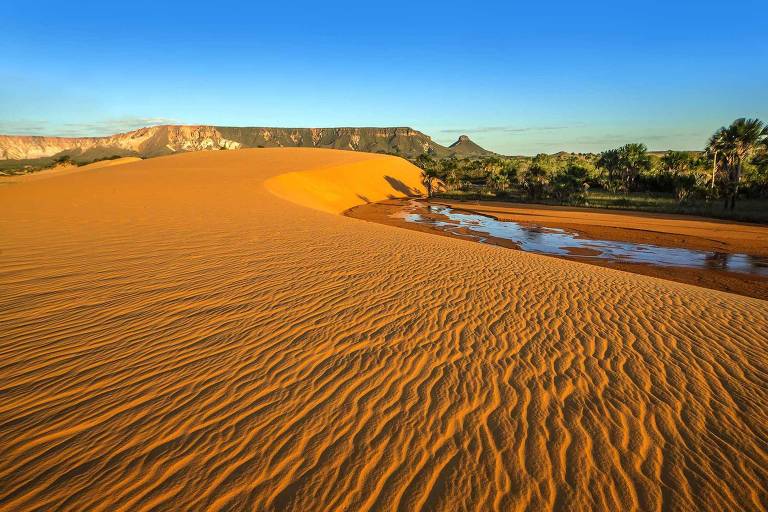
(464,147)
(163,140)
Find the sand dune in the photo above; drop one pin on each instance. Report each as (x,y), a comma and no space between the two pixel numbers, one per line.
(341,186)
(176,336)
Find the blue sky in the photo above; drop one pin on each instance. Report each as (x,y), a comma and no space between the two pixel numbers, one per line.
(519,78)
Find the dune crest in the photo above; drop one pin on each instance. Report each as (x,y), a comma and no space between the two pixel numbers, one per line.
(113,162)
(174,336)
(337,188)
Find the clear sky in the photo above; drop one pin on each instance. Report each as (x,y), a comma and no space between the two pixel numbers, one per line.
(518,77)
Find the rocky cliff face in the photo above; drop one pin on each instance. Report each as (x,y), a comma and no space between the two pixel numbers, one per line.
(404,141)
(151,141)
(161,140)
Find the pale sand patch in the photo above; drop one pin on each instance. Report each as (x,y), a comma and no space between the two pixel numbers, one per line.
(173,336)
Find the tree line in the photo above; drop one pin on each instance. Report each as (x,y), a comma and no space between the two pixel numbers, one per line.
(734,164)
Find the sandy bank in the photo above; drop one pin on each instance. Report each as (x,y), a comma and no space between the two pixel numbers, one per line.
(664,231)
(639,227)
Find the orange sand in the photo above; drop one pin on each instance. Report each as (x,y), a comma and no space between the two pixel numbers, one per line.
(660,230)
(175,336)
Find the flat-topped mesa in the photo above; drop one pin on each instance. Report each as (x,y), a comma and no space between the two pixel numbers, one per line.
(167,139)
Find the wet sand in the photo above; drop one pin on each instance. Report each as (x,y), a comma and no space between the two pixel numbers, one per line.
(206,331)
(665,231)
(684,231)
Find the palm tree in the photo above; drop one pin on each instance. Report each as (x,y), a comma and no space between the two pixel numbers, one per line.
(761,161)
(763,150)
(716,144)
(450,171)
(424,160)
(610,161)
(677,162)
(492,165)
(496,181)
(743,138)
(428,177)
(633,160)
(534,180)
(428,171)
(570,184)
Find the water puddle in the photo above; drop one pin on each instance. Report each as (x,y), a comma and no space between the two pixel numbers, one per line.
(558,242)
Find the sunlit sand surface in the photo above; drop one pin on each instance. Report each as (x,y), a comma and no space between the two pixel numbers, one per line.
(205,332)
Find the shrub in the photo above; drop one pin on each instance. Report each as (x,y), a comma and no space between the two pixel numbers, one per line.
(534,181)
(570,184)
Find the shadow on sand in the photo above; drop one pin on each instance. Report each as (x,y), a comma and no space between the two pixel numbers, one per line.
(401,187)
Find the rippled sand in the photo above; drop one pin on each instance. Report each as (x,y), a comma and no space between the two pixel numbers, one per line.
(177,335)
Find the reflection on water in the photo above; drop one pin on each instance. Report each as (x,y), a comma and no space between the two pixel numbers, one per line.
(559,242)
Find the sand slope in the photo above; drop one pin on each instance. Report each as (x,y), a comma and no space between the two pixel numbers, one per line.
(340,186)
(174,336)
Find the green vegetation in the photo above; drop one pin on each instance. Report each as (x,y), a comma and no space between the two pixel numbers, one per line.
(736,145)
(19,167)
(727,180)
(80,163)
(429,172)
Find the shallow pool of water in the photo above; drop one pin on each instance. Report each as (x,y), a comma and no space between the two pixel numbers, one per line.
(558,242)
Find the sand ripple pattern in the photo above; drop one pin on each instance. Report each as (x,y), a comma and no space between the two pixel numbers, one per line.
(175,337)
